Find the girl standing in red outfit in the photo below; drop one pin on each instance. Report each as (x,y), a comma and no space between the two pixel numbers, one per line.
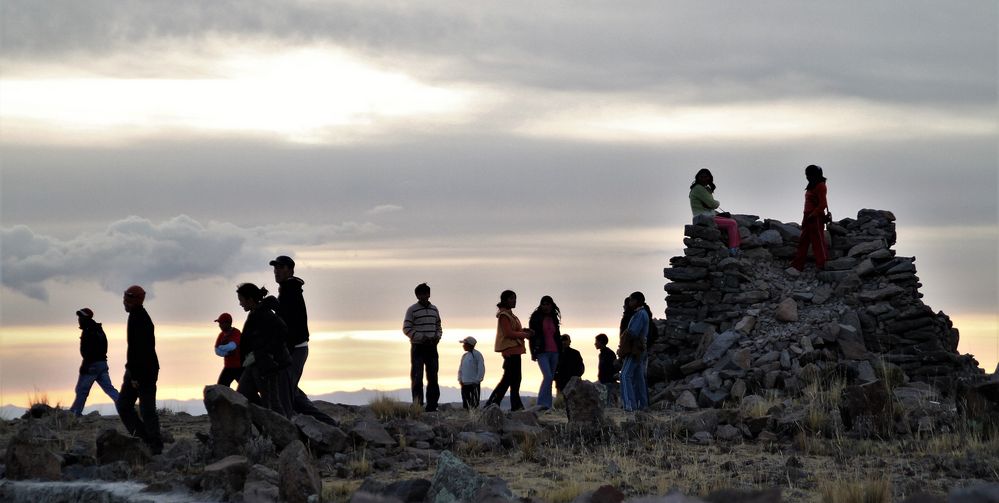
(813,222)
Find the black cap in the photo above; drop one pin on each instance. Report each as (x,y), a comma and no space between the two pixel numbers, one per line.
(284,260)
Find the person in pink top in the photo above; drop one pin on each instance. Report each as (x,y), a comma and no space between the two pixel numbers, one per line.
(510,335)
(546,345)
(813,220)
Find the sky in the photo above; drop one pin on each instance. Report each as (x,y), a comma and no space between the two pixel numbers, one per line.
(477,146)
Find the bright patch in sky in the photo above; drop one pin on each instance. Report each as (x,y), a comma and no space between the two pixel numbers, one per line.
(305,95)
(781,120)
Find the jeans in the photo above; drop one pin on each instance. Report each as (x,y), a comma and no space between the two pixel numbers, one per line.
(300,402)
(511,380)
(420,356)
(147,428)
(547,362)
(633,384)
(89,373)
(470,394)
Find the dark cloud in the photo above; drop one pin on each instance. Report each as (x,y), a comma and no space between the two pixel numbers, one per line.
(683,51)
(130,251)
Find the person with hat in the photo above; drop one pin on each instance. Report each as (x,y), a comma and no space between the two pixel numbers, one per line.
(422,325)
(291,309)
(471,371)
(142,369)
(94,350)
(227,346)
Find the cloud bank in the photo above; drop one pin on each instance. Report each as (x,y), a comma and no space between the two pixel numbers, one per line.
(136,250)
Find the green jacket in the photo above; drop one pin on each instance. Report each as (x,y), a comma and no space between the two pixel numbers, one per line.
(701,201)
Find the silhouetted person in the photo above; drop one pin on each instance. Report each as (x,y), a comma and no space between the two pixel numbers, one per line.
(422,325)
(546,345)
(570,364)
(702,202)
(634,394)
(94,350)
(510,335)
(471,371)
(292,310)
(142,369)
(266,378)
(227,347)
(813,220)
(606,368)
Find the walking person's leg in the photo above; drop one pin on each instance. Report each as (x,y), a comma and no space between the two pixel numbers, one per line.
(104,380)
(84,382)
(150,418)
(416,362)
(126,405)
(515,402)
(432,362)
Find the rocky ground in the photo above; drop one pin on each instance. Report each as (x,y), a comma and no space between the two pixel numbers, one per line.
(388,450)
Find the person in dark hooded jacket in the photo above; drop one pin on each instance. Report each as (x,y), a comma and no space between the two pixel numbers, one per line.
(290,308)
(94,350)
(266,378)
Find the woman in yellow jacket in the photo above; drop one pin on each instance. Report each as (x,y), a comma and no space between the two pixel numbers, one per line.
(510,336)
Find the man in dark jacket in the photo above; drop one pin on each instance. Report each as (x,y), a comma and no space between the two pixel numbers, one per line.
(570,363)
(94,350)
(292,311)
(142,369)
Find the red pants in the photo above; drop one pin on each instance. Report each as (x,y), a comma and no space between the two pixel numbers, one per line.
(812,233)
(732,228)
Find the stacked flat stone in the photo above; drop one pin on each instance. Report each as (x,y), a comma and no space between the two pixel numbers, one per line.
(741,326)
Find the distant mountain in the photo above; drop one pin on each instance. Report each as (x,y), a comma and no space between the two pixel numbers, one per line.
(196,407)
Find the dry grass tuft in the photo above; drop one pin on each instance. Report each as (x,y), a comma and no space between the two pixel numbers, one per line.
(565,493)
(337,492)
(865,491)
(360,467)
(386,408)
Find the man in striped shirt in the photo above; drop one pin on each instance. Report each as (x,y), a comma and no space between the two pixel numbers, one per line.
(423,327)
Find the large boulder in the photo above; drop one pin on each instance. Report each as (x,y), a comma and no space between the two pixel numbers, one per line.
(261,485)
(404,491)
(33,453)
(582,403)
(455,481)
(231,425)
(321,437)
(114,446)
(371,432)
(297,474)
(227,475)
(274,426)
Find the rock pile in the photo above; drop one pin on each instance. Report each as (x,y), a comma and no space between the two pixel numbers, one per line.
(739,326)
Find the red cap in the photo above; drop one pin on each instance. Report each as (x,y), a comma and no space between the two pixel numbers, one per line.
(224,317)
(85,312)
(135,291)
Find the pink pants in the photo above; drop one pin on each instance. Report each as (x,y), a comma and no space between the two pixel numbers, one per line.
(732,227)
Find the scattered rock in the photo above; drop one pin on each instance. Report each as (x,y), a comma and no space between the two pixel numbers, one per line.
(33,454)
(227,475)
(582,403)
(114,446)
(229,414)
(320,437)
(787,310)
(297,474)
(455,481)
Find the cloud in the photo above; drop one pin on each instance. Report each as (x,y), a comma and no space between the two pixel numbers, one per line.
(138,251)
(383,209)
